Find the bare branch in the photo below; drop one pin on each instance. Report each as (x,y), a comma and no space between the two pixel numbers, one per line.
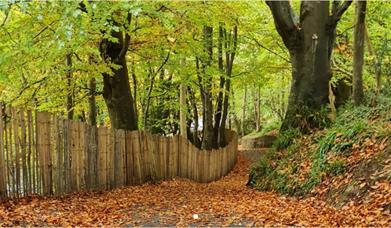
(340,10)
(269,50)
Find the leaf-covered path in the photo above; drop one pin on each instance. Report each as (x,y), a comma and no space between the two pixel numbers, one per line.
(227,202)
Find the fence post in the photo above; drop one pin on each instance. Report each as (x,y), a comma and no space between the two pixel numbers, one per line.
(43,149)
(3,185)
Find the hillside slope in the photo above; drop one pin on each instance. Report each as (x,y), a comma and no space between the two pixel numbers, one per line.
(347,164)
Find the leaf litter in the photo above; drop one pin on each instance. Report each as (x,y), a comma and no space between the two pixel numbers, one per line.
(180,202)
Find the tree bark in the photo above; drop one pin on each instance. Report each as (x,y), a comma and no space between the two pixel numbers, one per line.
(208,141)
(257,107)
(116,87)
(70,87)
(196,139)
(309,41)
(182,110)
(147,101)
(229,58)
(135,83)
(244,109)
(358,52)
(92,102)
(220,97)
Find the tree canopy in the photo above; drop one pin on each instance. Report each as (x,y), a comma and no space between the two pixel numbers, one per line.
(55,55)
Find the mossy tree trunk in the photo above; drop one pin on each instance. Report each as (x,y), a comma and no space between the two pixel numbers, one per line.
(116,87)
(308,39)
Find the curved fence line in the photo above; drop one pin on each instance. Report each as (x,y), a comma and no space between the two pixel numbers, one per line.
(45,155)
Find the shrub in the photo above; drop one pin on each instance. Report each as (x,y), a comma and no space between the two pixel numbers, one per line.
(286,138)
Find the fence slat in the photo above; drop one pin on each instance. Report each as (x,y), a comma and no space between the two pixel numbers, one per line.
(42,154)
(129,159)
(3,185)
(82,155)
(15,123)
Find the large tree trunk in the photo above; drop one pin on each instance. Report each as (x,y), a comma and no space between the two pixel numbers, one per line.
(358,52)
(308,42)
(310,67)
(116,88)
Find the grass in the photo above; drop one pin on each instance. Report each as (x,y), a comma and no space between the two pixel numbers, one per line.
(274,125)
(298,163)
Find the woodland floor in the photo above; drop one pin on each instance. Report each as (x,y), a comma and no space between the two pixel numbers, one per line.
(227,202)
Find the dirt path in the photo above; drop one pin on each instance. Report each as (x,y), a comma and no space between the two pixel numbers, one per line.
(227,202)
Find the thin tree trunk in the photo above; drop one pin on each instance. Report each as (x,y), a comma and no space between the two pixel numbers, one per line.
(220,97)
(208,141)
(70,87)
(244,109)
(92,102)
(257,108)
(377,61)
(134,79)
(230,57)
(193,103)
(358,52)
(182,110)
(148,98)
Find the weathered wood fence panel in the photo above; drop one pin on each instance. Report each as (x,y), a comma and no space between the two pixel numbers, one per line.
(44,155)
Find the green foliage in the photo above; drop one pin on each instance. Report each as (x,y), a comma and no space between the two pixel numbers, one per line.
(286,138)
(272,126)
(335,168)
(301,163)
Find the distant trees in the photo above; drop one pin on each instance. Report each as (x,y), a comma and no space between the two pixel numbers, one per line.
(309,38)
(215,118)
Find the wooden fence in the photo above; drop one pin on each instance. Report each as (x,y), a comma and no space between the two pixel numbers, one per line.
(45,155)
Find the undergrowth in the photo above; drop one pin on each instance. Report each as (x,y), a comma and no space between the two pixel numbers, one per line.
(298,163)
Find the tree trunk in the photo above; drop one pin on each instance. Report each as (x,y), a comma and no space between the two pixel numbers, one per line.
(134,79)
(116,88)
(208,141)
(244,109)
(147,101)
(182,110)
(219,102)
(193,103)
(308,42)
(257,107)
(70,87)
(358,52)
(92,103)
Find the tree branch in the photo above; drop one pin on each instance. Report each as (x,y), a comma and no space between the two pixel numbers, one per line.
(284,20)
(126,42)
(339,11)
(269,50)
